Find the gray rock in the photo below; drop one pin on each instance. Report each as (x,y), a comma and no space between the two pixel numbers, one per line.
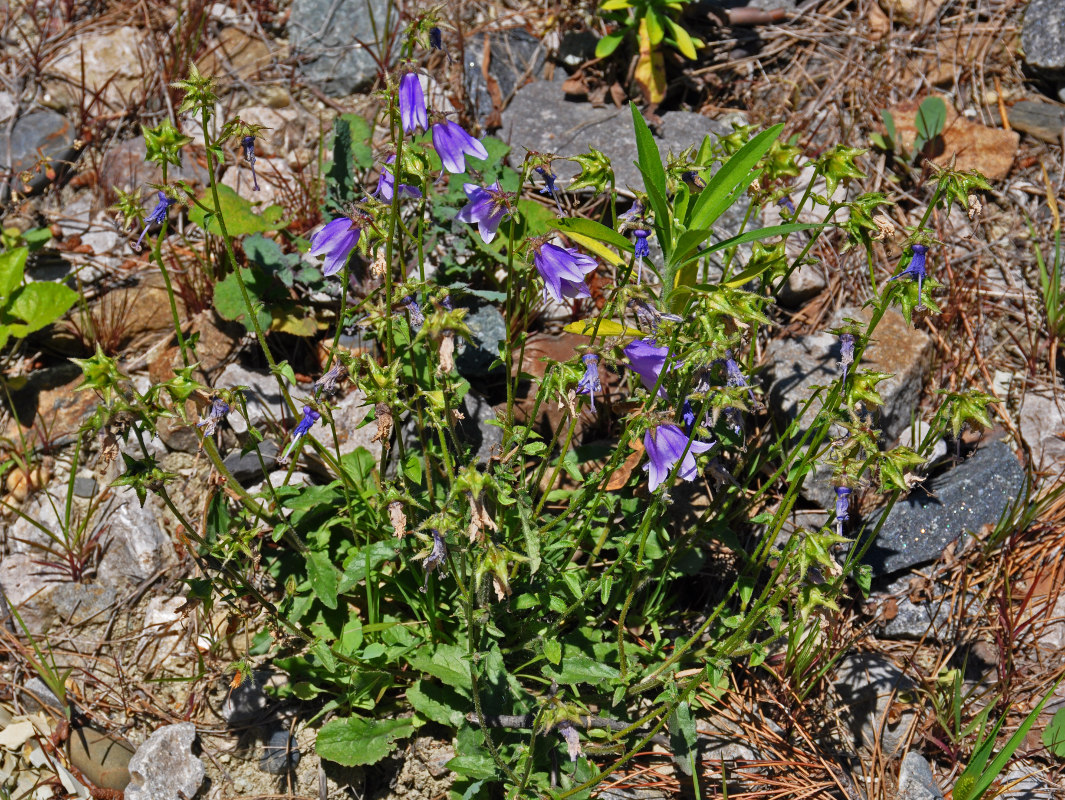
(867,686)
(28,591)
(84,485)
(963,500)
(916,781)
(35,695)
(488,331)
(263,397)
(1043,37)
(81,603)
(474,432)
(328,32)
(928,620)
(247,702)
(134,545)
(1039,119)
(795,366)
(277,478)
(721,739)
(164,767)
(1042,422)
(281,753)
(247,468)
(541,118)
(515,57)
(39,135)
(8,106)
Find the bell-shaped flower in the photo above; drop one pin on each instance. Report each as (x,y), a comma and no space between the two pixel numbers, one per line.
(563,270)
(412,111)
(310,416)
(916,270)
(157,217)
(647,361)
(453,144)
(335,241)
(666,445)
(486,209)
(386,185)
(589,382)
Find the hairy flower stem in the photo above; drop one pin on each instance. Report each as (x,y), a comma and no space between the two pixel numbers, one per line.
(228,240)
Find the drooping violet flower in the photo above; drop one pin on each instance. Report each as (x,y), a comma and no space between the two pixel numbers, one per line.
(665,445)
(157,217)
(843,504)
(487,207)
(386,184)
(916,270)
(328,382)
(563,270)
(846,352)
(642,250)
(436,39)
(571,738)
(630,216)
(549,186)
(215,414)
(412,111)
(785,203)
(310,416)
(453,144)
(734,376)
(589,382)
(248,143)
(435,559)
(446,303)
(336,241)
(691,177)
(647,361)
(417,318)
(688,416)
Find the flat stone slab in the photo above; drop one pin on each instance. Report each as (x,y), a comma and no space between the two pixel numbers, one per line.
(1043,37)
(328,34)
(1042,120)
(956,503)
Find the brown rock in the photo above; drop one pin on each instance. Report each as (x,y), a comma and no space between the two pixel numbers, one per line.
(236,53)
(970,144)
(911,12)
(113,65)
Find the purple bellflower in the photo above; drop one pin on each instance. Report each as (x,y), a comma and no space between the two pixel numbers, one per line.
(412,111)
(436,42)
(563,270)
(549,186)
(647,361)
(665,444)
(589,382)
(916,270)
(453,144)
(688,416)
(843,505)
(417,318)
(248,143)
(386,185)
(846,352)
(487,207)
(157,217)
(642,250)
(785,203)
(336,241)
(328,382)
(446,303)
(635,210)
(310,416)
(215,414)
(734,376)
(691,177)
(436,558)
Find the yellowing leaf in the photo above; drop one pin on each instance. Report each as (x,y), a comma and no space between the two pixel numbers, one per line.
(597,247)
(607,327)
(650,69)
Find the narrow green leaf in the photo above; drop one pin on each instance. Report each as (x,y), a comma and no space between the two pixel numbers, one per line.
(685,43)
(608,44)
(716,197)
(356,741)
(594,230)
(649,161)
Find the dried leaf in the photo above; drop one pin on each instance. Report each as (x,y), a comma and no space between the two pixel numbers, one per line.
(621,476)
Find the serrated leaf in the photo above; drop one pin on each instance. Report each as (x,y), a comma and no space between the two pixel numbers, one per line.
(447,662)
(323,577)
(356,741)
(438,703)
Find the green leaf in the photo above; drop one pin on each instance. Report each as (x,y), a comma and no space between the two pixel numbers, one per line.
(323,577)
(553,651)
(719,192)
(579,668)
(478,767)
(39,304)
(229,301)
(239,214)
(12,269)
(1054,734)
(931,117)
(594,230)
(438,703)
(649,160)
(685,43)
(448,662)
(355,569)
(356,741)
(608,44)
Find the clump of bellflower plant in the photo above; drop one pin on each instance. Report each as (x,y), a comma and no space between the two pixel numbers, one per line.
(489,551)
